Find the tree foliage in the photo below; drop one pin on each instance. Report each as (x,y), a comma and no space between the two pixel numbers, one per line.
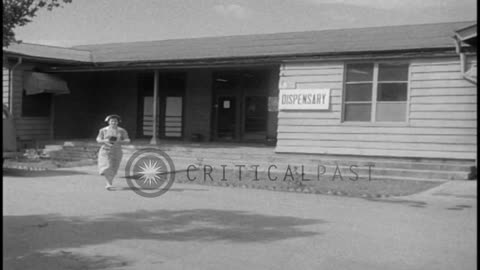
(20,12)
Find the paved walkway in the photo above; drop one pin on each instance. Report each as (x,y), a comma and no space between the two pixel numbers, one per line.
(451,191)
(66,220)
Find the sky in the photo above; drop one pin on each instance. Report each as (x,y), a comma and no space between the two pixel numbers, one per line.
(109,21)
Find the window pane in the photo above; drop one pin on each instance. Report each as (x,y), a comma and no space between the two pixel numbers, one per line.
(359,72)
(393,72)
(391,111)
(358,92)
(358,112)
(392,92)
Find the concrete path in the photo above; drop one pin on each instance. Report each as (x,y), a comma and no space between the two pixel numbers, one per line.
(66,220)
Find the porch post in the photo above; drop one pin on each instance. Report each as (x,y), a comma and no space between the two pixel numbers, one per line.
(52,117)
(155,105)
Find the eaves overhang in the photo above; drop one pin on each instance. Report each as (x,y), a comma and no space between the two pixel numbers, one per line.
(47,60)
(467,35)
(255,61)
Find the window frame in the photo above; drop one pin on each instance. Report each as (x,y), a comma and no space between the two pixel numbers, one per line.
(374,96)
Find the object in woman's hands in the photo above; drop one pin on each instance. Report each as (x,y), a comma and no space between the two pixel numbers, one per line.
(112,139)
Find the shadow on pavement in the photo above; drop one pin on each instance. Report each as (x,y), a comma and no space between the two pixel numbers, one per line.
(47,173)
(411,203)
(455,195)
(170,189)
(62,260)
(30,234)
(459,207)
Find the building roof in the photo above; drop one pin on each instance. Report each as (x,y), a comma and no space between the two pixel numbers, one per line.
(340,41)
(467,34)
(48,52)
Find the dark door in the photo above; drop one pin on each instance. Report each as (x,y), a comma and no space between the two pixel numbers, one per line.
(255,118)
(226,118)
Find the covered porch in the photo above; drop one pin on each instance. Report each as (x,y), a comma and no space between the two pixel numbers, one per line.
(231,104)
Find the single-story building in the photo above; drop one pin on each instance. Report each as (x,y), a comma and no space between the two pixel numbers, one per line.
(393,91)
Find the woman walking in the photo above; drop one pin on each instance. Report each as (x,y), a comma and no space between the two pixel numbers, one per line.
(110,155)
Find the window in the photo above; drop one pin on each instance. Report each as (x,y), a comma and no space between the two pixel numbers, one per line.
(37,105)
(376,92)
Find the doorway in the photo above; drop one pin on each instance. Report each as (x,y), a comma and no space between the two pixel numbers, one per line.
(240,105)
(227,115)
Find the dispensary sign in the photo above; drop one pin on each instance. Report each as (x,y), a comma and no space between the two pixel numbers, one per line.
(304,99)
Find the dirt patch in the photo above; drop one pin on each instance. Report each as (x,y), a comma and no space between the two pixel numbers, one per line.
(375,188)
(44,164)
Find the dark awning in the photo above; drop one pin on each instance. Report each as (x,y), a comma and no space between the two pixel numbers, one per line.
(37,83)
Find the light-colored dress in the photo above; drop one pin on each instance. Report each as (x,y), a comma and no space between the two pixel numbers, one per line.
(109,157)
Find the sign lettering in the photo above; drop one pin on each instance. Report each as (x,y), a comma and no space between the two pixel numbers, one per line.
(304,99)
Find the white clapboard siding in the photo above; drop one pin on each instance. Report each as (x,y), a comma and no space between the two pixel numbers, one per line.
(5,85)
(33,128)
(443,92)
(373,152)
(318,72)
(440,83)
(428,68)
(444,75)
(331,78)
(377,145)
(314,84)
(310,114)
(386,138)
(467,115)
(308,122)
(466,107)
(375,130)
(309,66)
(441,115)
(444,123)
(443,100)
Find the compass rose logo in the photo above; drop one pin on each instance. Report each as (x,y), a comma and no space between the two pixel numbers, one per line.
(150,172)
